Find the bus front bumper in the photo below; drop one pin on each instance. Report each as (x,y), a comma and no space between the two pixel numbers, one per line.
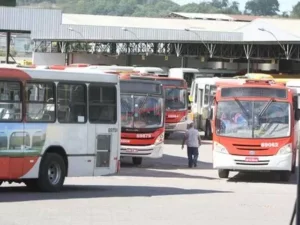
(173,127)
(150,151)
(252,163)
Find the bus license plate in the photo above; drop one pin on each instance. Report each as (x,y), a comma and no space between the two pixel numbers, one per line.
(131,150)
(251,159)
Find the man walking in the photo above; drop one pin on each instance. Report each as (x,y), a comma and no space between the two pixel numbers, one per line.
(193,141)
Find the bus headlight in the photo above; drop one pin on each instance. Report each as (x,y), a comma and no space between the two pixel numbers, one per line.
(220,148)
(287,149)
(160,139)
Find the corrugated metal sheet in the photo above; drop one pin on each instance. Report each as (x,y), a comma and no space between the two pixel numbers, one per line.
(272,33)
(154,23)
(290,26)
(106,33)
(27,19)
(212,16)
(46,24)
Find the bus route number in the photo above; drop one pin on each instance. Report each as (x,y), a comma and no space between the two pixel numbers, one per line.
(112,130)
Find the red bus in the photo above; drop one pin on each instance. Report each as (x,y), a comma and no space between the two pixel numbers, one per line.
(256,129)
(176,102)
(143,118)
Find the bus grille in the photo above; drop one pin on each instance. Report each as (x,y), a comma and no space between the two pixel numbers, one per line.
(249,147)
(259,163)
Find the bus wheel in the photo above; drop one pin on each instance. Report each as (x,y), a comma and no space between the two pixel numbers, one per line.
(137,160)
(52,173)
(284,176)
(223,173)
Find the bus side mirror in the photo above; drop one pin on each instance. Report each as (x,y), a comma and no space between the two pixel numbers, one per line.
(190,98)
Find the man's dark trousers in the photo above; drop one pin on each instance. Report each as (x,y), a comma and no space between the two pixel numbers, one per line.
(192,156)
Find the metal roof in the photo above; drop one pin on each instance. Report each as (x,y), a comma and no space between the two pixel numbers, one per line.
(271,33)
(29,19)
(154,23)
(204,16)
(109,28)
(214,16)
(107,33)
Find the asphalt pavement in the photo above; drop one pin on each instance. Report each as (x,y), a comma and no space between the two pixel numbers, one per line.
(159,192)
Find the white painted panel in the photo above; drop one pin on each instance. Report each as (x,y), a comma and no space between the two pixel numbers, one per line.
(81,166)
(42,58)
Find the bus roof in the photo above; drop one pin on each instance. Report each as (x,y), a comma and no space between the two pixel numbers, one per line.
(49,74)
(165,81)
(222,82)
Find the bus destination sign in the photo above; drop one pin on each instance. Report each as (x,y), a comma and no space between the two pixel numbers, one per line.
(140,87)
(254,92)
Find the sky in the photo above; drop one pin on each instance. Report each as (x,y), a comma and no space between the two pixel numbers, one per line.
(285,5)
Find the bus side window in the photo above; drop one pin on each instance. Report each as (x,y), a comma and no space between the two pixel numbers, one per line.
(102,104)
(10,107)
(40,102)
(196,94)
(206,94)
(71,103)
(189,77)
(295,106)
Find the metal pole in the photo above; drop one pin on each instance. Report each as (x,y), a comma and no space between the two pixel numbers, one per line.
(248,66)
(8,36)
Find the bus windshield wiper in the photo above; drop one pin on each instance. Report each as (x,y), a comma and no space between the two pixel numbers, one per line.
(142,105)
(242,107)
(265,107)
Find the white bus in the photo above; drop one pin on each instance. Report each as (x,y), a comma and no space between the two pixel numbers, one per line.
(201,97)
(56,124)
(190,74)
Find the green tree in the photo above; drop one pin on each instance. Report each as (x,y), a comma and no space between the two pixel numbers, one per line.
(296,10)
(8,2)
(262,7)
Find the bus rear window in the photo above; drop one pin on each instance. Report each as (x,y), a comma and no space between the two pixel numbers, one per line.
(170,82)
(10,101)
(189,77)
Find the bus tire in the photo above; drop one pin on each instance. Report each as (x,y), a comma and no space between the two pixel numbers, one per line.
(137,160)
(223,173)
(52,173)
(285,176)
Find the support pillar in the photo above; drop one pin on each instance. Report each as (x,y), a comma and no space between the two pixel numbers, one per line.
(8,38)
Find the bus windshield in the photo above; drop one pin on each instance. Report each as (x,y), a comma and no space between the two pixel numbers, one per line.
(253,119)
(176,98)
(141,111)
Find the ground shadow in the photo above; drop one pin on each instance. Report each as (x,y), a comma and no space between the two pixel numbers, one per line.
(261,177)
(22,194)
(161,168)
(167,162)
